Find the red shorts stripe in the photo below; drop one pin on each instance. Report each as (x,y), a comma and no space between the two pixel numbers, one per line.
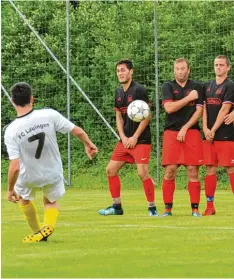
(140,154)
(187,153)
(218,153)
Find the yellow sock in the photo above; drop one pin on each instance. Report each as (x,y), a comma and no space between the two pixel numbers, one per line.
(50,216)
(31,216)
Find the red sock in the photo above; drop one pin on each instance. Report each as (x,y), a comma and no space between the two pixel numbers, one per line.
(231,179)
(168,189)
(210,185)
(114,186)
(194,189)
(149,189)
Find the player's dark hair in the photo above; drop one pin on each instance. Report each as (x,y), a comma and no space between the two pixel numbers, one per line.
(127,62)
(179,60)
(21,93)
(224,57)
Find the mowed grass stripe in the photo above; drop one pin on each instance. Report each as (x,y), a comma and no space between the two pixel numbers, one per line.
(87,245)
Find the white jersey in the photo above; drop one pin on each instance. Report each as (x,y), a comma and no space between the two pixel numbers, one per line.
(32,139)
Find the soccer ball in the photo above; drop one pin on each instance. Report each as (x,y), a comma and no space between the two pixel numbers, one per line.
(138,110)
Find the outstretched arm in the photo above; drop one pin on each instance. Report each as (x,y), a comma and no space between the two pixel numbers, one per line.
(90,148)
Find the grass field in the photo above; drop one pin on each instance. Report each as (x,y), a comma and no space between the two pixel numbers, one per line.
(88,245)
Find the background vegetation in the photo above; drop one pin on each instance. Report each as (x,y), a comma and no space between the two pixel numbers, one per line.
(102,32)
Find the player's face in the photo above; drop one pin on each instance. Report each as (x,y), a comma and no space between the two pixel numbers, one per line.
(181,71)
(123,73)
(220,67)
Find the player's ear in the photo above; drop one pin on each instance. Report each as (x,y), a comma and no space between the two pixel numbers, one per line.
(131,71)
(31,100)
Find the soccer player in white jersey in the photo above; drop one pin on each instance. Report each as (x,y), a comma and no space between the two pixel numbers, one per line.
(35,160)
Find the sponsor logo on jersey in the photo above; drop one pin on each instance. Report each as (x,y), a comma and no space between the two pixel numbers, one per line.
(176,92)
(119,99)
(218,91)
(214,101)
(208,89)
(129,98)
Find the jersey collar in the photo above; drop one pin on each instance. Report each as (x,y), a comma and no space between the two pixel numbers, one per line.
(25,114)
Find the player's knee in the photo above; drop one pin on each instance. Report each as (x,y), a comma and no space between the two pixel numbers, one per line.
(110,171)
(192,172)
(170,173)
(143,175)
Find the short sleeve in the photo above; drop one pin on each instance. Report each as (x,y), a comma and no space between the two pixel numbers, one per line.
(61,124)
(167,94)
(228,97)
(11,145)
(200,100)
(117,101)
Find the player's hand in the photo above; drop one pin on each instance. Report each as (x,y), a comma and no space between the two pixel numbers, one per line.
(228,119)
(181,135)
(124,141)
(132,141)
(208,134)
(91,150)
(193,95)
(12,196)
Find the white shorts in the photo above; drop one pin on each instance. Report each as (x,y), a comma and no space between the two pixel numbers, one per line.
(52,192)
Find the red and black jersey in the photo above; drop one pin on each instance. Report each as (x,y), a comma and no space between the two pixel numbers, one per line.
(172,92)
(215,97)
(122,100)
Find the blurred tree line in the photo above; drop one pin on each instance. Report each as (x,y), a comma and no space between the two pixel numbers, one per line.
(101,33)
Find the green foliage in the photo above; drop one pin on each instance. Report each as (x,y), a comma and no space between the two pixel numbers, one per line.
(102,32)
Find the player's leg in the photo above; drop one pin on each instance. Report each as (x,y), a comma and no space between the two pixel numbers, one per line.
(51,194)
(211,163)
(27,207)
(210,188)
(112,170)
(194,189)
(29,210)
(230,171)
(168,188)
(148,185)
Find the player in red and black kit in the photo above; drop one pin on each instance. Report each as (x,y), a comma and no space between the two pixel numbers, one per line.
(218,148)
(182,144)
(135,143)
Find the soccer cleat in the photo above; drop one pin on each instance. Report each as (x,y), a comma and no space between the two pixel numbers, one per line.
(209,211)
(153,211)
(41,235)
(166,214)
(196,213)
(111,211)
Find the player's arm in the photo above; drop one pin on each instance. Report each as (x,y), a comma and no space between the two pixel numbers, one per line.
(220,118)
(90,148)
(192,121)
(120,127)
(13,173)
(133,140)
(207,132)
(173,106)
(229,118)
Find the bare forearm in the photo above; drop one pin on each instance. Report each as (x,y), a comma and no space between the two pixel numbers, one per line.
(204,118)
(141,127)
(81,135)
(13,174)
(171,107)
(120,125)
(219,120)
(194,119)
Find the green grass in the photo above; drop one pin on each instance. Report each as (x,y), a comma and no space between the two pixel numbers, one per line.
(88,245)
